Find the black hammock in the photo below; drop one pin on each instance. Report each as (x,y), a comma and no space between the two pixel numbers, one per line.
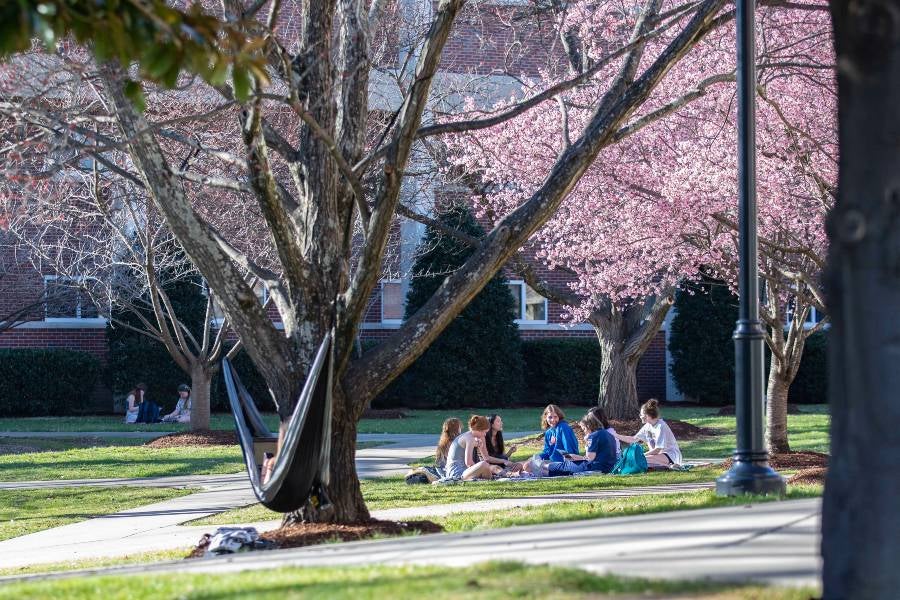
(302,464)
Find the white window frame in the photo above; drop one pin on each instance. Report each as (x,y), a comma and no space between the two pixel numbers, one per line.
(522,294)
(381,304)
(810,321)
(77,318)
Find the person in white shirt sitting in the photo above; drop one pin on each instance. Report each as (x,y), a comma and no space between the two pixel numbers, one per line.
(182,412)
(656,433)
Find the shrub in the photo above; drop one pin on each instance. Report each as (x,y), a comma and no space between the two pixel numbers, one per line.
(810,386)
(703,350)
(700,342)
(562,371)
(37,383)
(477,359)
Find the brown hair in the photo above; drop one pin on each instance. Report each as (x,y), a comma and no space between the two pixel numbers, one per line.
(479,423)
(600,414)
(449,431)
(651,408)
(591,422)
(554,408)
(138,392)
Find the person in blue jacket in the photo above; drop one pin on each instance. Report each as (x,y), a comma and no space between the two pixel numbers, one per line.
(600,452)
(558,439)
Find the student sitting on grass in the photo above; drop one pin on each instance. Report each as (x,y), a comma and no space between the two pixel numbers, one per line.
(600,453)
(182,412)
(449,431)
(664,450)
(601,416)
(494,439)
(133,403)
(460,464)
(558,439)
(494,451)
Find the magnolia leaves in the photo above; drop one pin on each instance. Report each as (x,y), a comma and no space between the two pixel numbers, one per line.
(162,40)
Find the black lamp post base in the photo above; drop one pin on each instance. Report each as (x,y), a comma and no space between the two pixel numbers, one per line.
(754,478)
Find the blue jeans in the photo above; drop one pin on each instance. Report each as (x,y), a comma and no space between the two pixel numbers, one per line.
(567,467)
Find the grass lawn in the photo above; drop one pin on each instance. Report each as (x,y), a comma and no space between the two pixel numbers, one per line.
(27,511)
(138,558)
(120,461)
(114,423)
(393,492)
(78,458)
(490,581)
(609,507)
(21,445)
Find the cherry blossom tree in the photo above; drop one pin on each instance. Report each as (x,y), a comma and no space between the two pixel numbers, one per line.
(660,205)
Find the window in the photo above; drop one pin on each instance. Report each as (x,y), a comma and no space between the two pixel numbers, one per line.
(812,317)
(392,301)
(64,301)
(529,306)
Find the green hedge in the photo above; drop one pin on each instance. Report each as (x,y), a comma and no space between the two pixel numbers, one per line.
(703,350)
(559,371)
(35,383)
(562,371)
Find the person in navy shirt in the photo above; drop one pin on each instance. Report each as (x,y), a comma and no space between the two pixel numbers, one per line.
(600,451)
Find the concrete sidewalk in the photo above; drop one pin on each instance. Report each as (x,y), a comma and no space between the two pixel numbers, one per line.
(158,526)
(775,542)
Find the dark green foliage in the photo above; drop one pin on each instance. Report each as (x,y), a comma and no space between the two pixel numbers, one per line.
(700,342)
(252,380)
(35,383)
(562,371)
(134,357)
(477,360)
(703,350)
(161,39)
(811,383)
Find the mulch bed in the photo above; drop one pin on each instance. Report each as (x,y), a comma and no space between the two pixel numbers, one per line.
(809,476)
(195,438)
(310,534)
(793,460)
(728,411)
(384,413)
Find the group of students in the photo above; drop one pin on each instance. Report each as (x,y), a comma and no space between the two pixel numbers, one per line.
(479,453)
(140,410)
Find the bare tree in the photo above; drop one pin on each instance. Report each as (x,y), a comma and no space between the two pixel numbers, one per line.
(107,248)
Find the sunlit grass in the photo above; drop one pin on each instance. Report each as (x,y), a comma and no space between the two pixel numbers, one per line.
(138,558)
(489,581)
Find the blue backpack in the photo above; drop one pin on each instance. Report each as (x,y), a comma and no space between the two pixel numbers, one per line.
(632,461)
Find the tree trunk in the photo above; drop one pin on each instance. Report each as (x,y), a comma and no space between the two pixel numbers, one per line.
(860,520)
(776,408)
(347,504)
(618,376)
(200,385)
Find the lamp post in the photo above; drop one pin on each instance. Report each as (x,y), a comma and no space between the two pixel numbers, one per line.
(750,472)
